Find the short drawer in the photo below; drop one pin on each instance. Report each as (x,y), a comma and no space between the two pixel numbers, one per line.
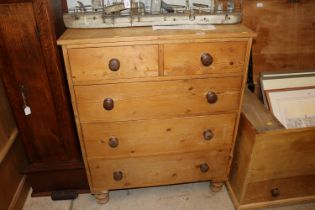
(158,170)
(158,136)
(204,58)
(163,99)
(280,189)
(88,64)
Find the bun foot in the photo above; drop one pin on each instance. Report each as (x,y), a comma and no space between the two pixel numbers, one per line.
(102,198)
(216,186)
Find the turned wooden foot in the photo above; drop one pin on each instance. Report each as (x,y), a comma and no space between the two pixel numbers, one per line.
(102,198)
(216,186)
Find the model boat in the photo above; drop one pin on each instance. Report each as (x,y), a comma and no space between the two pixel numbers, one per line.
(130,13)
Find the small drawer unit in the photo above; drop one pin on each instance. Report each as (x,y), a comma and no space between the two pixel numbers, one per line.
(204,58)
(94,63)
(272,165)
(156,107)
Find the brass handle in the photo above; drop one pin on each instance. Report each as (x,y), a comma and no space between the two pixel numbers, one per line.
(211,97)
(204,167)
(208,135)
(114,64)
(108,103)
(113,142)
(275,192)
(118,175)
(206,59)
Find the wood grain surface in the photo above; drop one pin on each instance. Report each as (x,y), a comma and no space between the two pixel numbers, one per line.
(147,100)
(38,93)
(184,59)
(238,177)
(290,187)
(158,170)
(285,153)
(160,136)
(259,116)
(120,35)
(29,60)
(286,34)
(10,174)
(158,120)
(12,159)
(267,157)
(8,130)
(88,64)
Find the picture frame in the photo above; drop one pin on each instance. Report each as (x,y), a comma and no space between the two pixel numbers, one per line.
(285,79)
(293,107)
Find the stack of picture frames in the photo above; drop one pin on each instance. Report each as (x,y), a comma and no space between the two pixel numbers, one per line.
(290,96)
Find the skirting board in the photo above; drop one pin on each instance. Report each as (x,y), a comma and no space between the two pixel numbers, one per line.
(282,202)
(20,195)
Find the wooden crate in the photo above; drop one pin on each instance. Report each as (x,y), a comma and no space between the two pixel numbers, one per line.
(271,165)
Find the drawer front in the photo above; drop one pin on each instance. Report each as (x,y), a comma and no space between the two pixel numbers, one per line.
(88,64)
(158,170)
(158,136)
(277,189)
(204,58)
(147,100)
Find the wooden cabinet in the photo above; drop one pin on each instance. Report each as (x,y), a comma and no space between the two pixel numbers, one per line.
(14,188)
(31,70)
(272,165)
(156,107)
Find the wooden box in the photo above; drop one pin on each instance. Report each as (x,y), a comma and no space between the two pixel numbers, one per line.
(271,165)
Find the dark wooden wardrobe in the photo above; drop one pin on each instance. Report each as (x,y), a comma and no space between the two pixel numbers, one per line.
(32,72)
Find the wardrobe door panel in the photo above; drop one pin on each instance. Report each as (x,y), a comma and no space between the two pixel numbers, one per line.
(26,80)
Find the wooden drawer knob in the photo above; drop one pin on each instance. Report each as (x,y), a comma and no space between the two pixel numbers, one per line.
(211,97)
(275,192)
(113,142)
(118,175)
(208,135)
(206,59)
(204,167)
(108,103)
(114,64)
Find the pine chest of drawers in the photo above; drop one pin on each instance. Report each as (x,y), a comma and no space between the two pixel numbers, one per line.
(156,107)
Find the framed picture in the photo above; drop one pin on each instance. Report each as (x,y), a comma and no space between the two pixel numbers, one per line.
(285,79)
(293,107)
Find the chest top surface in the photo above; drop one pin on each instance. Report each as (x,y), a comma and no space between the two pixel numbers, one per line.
(91,36)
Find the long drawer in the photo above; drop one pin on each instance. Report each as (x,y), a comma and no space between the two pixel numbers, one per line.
(204,58)
(158,136)
(280,189)
(147,100)
(88,64)
(158,170)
